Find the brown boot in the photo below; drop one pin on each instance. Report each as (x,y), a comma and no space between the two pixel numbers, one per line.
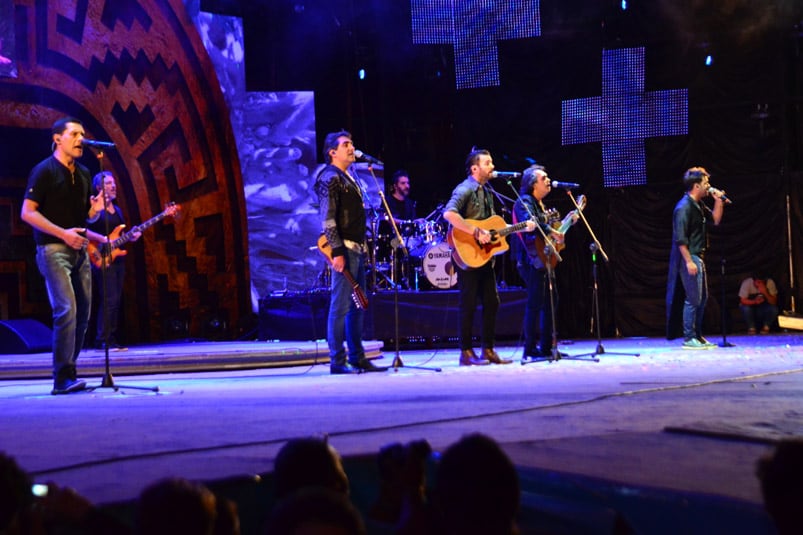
(469,358)
(489,354)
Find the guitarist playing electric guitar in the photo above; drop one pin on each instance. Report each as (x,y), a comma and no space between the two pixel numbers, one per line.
(470,204)
(532,263)
(110,218)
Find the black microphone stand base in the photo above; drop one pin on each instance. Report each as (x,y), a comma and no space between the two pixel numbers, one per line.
(600,350)
(397,363)
(108,382)
(725,343)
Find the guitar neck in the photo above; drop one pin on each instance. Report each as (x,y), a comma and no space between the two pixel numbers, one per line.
(125,238)
(567,222)
(518,227)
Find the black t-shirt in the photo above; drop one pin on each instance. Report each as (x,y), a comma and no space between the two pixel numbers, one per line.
(403,210)
(62,196)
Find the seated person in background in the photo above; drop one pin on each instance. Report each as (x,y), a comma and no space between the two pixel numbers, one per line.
(758,299)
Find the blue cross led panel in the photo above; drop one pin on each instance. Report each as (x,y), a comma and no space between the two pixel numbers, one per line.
(624,116)
(474,27)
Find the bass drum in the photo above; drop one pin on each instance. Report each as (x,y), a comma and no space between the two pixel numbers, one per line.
(437,267)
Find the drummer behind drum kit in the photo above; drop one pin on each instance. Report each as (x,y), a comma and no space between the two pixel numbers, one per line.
(429,264)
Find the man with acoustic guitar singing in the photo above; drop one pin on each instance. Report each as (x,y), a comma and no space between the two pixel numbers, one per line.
(343,218)
(531,262)
(472,202)
(109,293)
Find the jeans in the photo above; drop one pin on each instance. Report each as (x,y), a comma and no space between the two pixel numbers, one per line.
(108,302)
(537,311)
(68,279)
(759,316)
(345,319)
(696,287)
(473,284)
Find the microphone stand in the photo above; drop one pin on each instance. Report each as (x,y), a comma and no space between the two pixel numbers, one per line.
(550,251)
(594,247)
(505,210)
(105,256)
(396,242)
(724,342)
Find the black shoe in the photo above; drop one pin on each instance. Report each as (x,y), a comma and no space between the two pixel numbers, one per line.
(342,369)
(67,386)
(365,366)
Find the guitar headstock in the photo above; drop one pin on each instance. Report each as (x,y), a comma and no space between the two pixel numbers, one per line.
(581,202)
(550,216)
(171,209)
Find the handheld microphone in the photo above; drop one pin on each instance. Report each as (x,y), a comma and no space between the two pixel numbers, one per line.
(97,144)
(505,174)
(719,193)
(564,185)
(370,159)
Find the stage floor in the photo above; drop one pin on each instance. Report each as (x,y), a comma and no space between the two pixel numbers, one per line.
(688,423)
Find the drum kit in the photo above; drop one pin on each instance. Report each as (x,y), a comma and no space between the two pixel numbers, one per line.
(428,263)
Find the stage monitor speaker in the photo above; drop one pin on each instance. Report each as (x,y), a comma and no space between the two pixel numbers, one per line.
(24,336)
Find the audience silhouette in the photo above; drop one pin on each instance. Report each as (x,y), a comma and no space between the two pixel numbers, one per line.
(781,477)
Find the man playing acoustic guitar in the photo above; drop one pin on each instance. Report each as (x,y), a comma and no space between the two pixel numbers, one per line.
(531,261)
(471,202)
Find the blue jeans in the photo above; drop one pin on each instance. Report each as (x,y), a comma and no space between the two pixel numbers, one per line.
(109,303)
(696,287)
(759,315)
(68,279)
(345,319)
(537,311)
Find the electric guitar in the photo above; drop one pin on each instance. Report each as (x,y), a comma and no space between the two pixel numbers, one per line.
(467,252)
(112,250)
(565,225)
(357,295)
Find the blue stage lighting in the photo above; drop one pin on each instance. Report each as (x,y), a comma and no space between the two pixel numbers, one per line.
(624,5)
(361,74)
(709,60)
(473,27)
(624,116)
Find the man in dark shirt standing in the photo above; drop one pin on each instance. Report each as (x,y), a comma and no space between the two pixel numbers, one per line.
(58,205)
(343,217)
(472,200)
(689,241)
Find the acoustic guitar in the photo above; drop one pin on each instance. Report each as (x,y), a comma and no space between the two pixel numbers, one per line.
(357,295)
(467,252)
(112,248)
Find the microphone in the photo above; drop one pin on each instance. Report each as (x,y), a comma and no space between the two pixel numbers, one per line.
(370,159)
(505,174)
(97,144)
(719,193)
(564,185)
